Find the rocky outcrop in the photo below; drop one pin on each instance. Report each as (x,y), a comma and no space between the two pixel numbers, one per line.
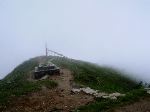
(98,94)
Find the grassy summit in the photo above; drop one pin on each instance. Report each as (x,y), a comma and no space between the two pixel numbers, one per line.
(97,77)
(101,78)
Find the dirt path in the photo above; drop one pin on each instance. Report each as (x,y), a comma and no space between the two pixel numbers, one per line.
(64,80)
(59,99)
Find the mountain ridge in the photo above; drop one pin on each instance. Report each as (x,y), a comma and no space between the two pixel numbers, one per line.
(84,73)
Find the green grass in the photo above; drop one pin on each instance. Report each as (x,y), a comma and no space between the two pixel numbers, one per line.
(96,77)
(16,83)
(85,73)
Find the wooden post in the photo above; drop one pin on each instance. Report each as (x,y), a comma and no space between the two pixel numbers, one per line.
(46,49)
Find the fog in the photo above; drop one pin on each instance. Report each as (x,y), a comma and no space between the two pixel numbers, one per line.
(108,32)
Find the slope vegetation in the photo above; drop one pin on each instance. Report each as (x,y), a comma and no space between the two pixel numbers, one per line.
(18,82)
(97,77)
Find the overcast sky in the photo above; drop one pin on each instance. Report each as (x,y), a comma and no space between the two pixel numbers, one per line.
(109,32)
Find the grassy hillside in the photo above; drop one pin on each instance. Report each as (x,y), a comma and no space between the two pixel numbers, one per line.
(104,79)
(16,83)
(97,77)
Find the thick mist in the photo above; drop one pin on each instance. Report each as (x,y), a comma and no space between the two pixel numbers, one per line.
(109,32)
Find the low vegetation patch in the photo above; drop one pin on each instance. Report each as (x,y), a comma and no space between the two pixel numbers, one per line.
(16,83)
(97,77)
(101,104)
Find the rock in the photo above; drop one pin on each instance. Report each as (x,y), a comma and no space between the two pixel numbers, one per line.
(89,91)
(113,98)
(97,94)
(105,97)
(116,95)
(148,91)
(75,90)
(44,77)
(101,94)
